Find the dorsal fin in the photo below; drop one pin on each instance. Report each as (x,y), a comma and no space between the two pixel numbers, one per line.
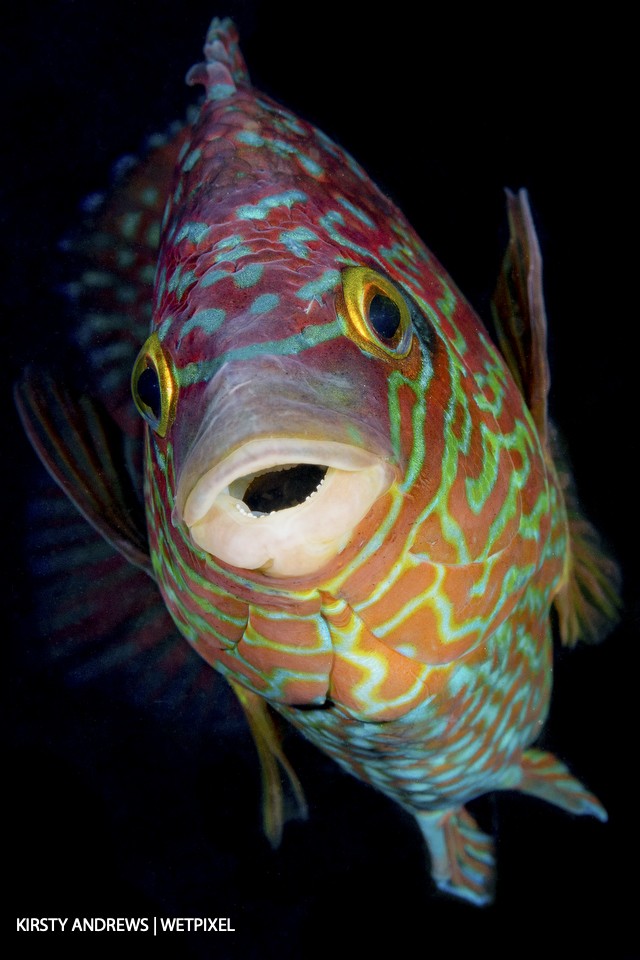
(224,68)
(588,601)
(518,311)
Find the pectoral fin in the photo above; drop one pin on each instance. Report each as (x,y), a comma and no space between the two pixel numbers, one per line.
(86,455)
(588,602)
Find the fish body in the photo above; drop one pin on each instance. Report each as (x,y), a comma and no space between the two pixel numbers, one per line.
(352,505)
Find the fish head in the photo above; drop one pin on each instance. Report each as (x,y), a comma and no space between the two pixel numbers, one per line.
(270,390)
(304,364)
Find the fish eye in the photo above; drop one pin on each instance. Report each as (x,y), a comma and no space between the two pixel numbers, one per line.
(384,316)
(378,313)
(153,386)
(149,391)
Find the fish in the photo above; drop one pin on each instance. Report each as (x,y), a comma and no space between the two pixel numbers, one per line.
(357,510)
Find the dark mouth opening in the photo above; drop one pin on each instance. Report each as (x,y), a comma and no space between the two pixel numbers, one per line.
(283,488)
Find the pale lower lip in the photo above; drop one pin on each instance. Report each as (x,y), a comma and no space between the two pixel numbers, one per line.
(291,540)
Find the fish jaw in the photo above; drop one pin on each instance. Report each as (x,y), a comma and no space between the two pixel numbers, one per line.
(319,490)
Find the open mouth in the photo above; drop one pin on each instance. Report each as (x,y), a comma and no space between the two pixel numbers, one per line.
(282,506)
(270,491)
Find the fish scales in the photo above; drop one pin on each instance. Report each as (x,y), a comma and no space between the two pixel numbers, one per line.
(353,514)
(259,158)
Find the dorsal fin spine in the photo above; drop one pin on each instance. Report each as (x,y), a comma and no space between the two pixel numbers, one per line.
(224,68)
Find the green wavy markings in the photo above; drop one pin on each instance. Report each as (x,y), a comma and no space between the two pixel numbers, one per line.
(265,303)
(296,241)
(176,577)
(419,388)
(282,119)
(447,305)
(356,212)
(530,523)
(184,149)
(329,145)
(407,259)
(232,253)
(191,159)
(311,336)
(193,232)
(207,320)
(213,276)
(558,544)
(316,289)
(435,599)
(250,138)
(354,166)
(180,281)
(493,381)
(262,209)
(281,148)
(221,91)
(166,214)
(376,540)
(229,249)
(480,488)
(232,675)
(161,286)
(374,665)
(416,460)
(177,194)
(330,222)
(279,680)
(386,584)
(189,622)
(486,567)
(255,639)
(538,596)
(453,448)
(165,326)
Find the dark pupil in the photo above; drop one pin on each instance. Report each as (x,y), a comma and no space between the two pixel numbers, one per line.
(149,391)
(384,316)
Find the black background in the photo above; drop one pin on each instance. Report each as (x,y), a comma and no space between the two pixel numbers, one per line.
(122,810)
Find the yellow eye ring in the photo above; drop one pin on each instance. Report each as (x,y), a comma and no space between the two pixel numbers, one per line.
(378,314)
(153,386)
